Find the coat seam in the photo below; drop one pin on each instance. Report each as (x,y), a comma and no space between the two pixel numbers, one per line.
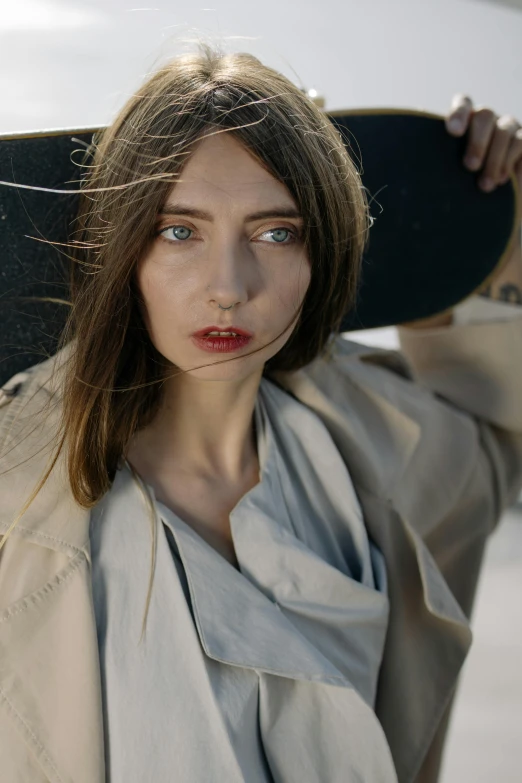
(38,534)
(28,601)
(32,735)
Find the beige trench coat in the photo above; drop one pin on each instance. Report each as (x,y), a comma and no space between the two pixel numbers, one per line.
(432,437)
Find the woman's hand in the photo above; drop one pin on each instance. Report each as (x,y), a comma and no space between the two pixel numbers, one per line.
(494,145)
(495,149)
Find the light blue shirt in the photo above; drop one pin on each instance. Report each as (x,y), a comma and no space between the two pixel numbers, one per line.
(233,661)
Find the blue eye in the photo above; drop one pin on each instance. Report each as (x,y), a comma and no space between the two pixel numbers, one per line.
(281,235)
(181,233)
(276,233)
(176,231)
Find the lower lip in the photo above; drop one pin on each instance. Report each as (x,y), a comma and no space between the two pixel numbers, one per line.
(221,344)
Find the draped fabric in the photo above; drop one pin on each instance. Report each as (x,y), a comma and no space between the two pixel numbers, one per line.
(267,673)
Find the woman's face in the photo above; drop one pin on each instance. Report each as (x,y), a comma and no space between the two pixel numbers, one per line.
(212,248)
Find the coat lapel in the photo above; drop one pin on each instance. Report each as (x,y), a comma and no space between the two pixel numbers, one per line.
(427,641)
(376,425)
(47,670)
(288,609)
(376,438)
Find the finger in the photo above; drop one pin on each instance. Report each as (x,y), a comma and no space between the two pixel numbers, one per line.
(518,174)
(481,130)
(503,132)
(459,115)
(514,154)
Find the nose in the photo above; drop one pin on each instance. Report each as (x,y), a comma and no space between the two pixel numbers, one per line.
(228,272)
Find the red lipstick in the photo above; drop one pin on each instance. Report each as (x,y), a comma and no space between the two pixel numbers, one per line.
(236,329)
(221,343)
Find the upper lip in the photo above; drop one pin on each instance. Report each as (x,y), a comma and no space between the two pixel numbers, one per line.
(236,329)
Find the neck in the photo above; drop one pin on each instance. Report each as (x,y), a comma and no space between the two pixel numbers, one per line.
(204,429)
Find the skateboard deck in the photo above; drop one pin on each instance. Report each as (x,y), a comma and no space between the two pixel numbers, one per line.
(435,239)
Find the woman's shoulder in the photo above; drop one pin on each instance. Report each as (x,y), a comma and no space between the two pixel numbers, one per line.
(41,371)
(30,389)
(10,391)
(12,387)
(345,366)
(344,350)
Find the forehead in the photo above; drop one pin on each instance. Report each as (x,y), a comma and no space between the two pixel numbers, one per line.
(222,167)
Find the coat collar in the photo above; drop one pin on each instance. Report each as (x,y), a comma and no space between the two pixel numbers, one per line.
(353,413)
(377,431)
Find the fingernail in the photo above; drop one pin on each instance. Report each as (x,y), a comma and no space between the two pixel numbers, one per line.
(455,125)
(487,184)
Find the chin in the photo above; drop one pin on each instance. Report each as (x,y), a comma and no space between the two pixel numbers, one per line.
(234,368)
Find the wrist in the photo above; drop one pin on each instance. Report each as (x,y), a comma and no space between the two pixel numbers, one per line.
(506,283)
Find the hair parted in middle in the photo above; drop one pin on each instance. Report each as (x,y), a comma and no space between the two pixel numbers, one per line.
(113,384)
(112,376)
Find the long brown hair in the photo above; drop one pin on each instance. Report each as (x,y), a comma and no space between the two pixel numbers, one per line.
(112,382)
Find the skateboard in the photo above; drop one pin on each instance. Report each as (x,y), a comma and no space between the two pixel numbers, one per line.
(435,237)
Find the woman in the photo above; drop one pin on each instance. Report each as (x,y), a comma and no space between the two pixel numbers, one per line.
(318,509)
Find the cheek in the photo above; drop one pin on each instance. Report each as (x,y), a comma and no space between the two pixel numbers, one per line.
(158,311)
(305,275)
(293,285)
(147,289)
(163,291)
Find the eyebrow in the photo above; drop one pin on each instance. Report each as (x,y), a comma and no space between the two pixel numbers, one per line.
(273,212)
